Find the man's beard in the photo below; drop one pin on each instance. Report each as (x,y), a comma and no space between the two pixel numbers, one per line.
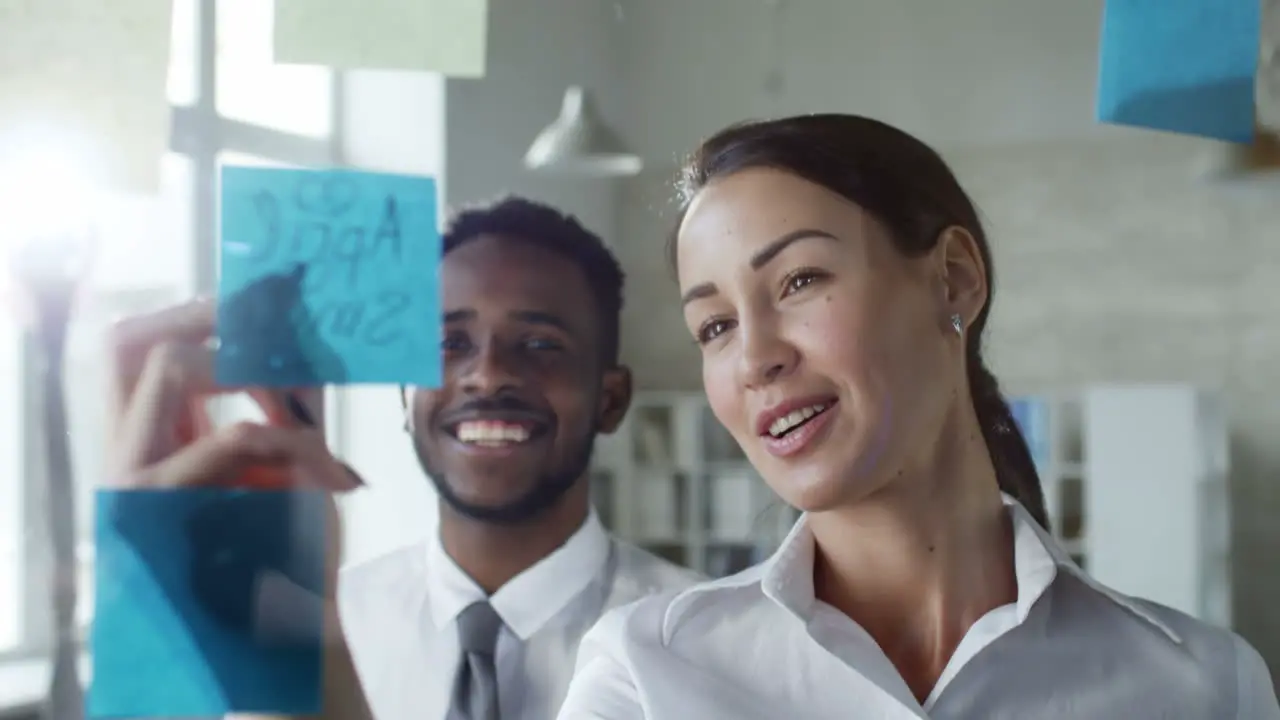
(544,495)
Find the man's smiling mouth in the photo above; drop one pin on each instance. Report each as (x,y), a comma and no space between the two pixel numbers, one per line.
(495,433)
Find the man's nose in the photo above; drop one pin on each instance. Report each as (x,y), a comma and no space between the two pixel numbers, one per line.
(491,371)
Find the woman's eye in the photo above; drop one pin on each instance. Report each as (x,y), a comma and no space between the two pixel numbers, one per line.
(542,344)
(797,281)
(712,329)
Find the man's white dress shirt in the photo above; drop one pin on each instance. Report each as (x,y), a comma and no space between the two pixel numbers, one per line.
(399,614)
(760,646)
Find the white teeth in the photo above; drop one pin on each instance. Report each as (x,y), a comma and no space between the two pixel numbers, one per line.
(794,418)
(491,433)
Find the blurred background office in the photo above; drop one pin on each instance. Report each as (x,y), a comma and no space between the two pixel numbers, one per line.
(1139,316)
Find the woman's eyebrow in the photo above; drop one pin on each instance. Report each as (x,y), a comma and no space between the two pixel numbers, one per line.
(762,257)
(766,254)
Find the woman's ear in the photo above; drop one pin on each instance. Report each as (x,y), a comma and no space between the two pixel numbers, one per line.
(963,274)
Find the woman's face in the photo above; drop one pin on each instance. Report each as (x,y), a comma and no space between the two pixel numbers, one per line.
(827,354)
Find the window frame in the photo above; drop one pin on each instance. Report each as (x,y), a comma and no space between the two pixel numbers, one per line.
(199,133)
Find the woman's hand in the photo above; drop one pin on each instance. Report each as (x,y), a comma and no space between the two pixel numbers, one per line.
(163,365)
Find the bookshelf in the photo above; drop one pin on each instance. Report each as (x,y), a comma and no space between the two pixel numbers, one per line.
(674,482)
(1134,476)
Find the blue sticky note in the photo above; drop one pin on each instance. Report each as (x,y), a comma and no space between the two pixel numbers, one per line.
(207,602)
(327,277)
(1184,66)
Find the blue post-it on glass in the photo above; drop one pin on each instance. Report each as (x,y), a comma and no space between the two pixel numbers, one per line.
(327,277)
(207,602)
(1183,66)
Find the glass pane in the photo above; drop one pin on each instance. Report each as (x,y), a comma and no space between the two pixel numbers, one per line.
(86,382)
(144,243)
(291,98)
(157,228)
(12,495)
(183,78)
(84,582)
(235,158)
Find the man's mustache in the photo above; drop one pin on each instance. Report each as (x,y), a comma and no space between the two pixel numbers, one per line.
(495,404)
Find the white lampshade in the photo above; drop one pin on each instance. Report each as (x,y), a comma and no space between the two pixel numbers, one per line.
(578,143)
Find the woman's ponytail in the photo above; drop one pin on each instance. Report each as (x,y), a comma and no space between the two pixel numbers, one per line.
(1015,468)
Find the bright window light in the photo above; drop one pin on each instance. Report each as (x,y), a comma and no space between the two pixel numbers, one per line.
(253,89)
(48,200)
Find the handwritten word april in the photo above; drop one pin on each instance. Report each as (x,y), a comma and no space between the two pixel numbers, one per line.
(328,238)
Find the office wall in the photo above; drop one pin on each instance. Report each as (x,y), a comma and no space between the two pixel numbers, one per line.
(536,50)
(1117,264)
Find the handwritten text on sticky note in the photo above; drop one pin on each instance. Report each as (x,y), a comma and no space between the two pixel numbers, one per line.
(328,277)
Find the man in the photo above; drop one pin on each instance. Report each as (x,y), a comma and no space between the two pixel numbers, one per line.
(532,304)
(521,566)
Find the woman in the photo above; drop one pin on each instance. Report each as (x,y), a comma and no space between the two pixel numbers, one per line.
(837,280)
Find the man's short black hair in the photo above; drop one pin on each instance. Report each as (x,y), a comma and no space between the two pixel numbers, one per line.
(542,225)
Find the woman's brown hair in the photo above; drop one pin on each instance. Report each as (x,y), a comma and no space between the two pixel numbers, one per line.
(908,187)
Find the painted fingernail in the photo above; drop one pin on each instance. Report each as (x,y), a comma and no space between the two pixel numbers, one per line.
(353,475)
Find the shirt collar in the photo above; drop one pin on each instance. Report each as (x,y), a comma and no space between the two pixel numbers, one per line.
(1037,558)
(529,600)
(786,577)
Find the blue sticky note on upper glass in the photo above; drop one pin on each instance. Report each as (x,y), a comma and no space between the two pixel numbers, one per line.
(327,277)
(208,602)
(1183,66)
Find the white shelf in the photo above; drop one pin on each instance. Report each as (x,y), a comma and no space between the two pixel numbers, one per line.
(1158,502)
(1071,470)
(678,483)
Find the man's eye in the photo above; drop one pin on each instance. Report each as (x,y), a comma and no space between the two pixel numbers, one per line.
(543,344)
(455,343)
(712,329)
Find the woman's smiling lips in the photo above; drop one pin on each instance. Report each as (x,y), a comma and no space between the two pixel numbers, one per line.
(789,428)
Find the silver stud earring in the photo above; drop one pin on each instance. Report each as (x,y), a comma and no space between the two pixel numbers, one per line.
(957,324)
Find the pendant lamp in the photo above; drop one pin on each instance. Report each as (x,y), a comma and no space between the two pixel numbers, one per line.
(578,143)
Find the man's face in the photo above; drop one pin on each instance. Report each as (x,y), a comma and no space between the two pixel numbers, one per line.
(511,429)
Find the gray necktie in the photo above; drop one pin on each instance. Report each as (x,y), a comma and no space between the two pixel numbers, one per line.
(475,689)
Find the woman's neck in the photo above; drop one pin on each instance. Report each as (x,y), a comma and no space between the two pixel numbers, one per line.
(920,561)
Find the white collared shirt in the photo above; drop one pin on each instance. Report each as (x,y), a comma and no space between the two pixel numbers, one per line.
(759,645)
(399,614)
